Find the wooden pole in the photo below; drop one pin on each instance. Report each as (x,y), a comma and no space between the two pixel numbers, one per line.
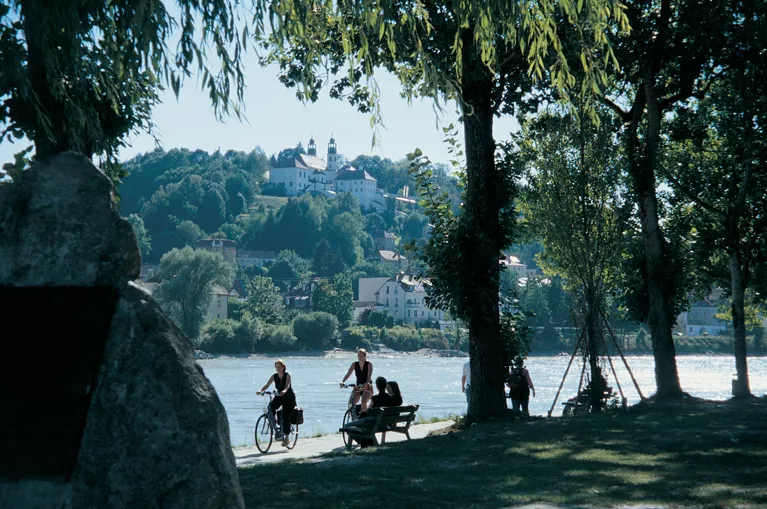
(615,375)
(580,385)
(562,383)
(620,352)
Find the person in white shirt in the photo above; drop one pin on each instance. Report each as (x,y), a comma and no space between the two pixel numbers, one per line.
(466,381)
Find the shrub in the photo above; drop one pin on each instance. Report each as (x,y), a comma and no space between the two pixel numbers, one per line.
(374,318)
(359,337)
(278,338)
(218,336)
(315,331)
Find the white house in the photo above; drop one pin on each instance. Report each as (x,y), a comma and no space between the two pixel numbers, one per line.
(404,296)
(246,258)
(391,258)
(701,319)
(219,300)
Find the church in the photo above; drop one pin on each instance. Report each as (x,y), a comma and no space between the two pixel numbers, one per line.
(310,173)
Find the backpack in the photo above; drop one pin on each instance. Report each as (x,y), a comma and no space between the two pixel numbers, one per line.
(517,379)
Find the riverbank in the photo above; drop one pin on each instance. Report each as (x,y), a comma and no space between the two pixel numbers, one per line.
(694,454)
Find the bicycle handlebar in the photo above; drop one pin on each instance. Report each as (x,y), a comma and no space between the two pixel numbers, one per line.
(349,386)
(264,393)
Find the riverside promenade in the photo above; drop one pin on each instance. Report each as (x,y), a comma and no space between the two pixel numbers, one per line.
(311,447)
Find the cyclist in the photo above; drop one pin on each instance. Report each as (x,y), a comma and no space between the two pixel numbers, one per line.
(285,398)
(363,370)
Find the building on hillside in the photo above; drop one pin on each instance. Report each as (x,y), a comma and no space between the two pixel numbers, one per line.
(391,258)
(701,320)
(149,270)
(515,264)
(368,286)
(218,307)
(385,242)
(300,297)
(225,247)
(309,173)
(247,258)
(404,296)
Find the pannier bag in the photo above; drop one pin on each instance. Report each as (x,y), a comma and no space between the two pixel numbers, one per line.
(297,417)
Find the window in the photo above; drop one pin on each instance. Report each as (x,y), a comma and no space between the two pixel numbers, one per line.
(421,313)
(291,184)
(408,313)
(387,301)
(218,303)
(396,290)
(396,302)
(387,290)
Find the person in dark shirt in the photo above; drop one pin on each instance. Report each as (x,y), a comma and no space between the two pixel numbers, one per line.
(381,399)
(392,389)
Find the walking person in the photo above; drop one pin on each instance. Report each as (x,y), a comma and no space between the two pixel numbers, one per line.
(520,385)
(466,381)
(285,398)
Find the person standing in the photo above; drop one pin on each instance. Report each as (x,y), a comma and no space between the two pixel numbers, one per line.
(285,398)
(466,381)
(520,385)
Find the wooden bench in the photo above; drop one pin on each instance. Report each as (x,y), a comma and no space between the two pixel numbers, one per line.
(395,419)
(581,402)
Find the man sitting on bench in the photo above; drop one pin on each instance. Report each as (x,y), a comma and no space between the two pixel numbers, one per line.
(380,400)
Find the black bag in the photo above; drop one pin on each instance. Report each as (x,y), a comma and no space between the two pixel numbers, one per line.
(297,417)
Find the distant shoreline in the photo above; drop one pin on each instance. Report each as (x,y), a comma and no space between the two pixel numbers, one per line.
(342,354)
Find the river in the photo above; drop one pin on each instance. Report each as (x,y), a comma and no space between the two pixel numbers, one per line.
(435,384)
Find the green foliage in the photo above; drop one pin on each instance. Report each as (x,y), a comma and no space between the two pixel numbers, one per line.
(359,337)
(277,338)
(142,237)
(375,318)
(335,297)
(82,76)
(230,336)
(187,279)
(408,339)
(315,331)
(327,260)
(264,301)
(289,270)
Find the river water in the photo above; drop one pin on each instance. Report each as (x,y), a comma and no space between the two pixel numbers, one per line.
(435,384)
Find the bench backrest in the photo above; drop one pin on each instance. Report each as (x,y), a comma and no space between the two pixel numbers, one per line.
(398,414)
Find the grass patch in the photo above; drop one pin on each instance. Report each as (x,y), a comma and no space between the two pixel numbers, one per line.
(700,454)
(273,203)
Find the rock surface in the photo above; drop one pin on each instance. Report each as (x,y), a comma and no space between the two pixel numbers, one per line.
(156,433)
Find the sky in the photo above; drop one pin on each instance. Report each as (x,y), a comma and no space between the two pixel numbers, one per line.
(277,119)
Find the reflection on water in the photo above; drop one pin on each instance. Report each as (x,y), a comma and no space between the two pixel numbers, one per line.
(435,384)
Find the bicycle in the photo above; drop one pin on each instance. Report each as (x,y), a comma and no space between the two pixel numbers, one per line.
(268,425)
(353,411)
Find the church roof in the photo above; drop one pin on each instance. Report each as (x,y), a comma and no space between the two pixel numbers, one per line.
(310,162)
(351,173)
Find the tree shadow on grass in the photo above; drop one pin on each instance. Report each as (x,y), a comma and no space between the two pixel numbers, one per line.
(703,455)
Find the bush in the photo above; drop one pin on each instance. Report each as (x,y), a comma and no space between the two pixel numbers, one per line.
(278,338)
(315,331)
(218,336)
(359,337)
(408,339)
(248,333)
(374,318)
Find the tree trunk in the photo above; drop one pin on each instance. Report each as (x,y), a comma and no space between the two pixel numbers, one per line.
(660,309)
(740,386)
(593,337)
(481,211)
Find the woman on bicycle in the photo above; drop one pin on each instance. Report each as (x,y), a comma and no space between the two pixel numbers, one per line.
(363,369)
(285,398)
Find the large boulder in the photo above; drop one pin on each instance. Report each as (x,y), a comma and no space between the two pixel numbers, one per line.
(110,408)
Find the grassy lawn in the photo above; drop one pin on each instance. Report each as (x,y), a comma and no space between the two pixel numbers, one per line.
(695,454)
(269,202)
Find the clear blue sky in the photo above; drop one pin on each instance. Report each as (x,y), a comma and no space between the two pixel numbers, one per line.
(277,120)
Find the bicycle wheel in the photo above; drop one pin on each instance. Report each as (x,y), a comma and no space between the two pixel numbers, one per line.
(347,418)
(263,434)
(293,435)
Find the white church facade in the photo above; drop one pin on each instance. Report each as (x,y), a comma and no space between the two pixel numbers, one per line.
(310,173)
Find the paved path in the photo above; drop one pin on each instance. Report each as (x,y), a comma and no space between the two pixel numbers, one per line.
(310,447)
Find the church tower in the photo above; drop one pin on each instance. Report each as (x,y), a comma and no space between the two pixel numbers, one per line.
(312,149)
(332,170)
